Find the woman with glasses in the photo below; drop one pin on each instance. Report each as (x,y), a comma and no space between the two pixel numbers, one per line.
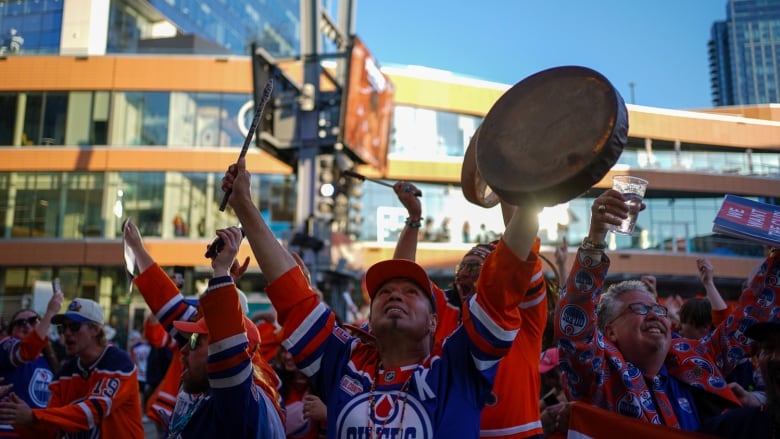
(22,360)
(616,347)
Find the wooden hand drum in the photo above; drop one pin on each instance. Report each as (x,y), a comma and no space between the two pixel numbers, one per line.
(548,139)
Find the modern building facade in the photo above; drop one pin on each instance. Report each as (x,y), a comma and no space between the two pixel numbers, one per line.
(744,54)
(87,140)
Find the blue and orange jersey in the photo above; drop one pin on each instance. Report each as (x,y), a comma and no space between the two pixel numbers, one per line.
(596,372)
(99,401)
(440,397)
(22,365)
(242,386)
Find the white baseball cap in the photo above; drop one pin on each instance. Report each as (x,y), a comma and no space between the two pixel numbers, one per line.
(81,310)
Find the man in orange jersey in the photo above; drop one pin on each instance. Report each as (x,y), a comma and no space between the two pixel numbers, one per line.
(94,393)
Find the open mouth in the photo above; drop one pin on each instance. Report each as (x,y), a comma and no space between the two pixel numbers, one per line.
(394,311)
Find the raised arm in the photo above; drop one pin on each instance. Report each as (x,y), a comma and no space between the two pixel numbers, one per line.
(272,258)
(521,230)
(406,247)
(708,280)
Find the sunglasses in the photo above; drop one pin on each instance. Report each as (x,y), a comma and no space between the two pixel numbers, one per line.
(28,321)
(71,326)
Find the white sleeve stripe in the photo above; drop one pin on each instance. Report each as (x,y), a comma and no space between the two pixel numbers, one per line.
(233,381)
(169,305)
(483,364)
(497,331)
(533,302)
(306,325)
(227,343)
(88,413)
(536,276)
(313,368)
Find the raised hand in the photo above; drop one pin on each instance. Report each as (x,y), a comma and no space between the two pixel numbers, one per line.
(223,261)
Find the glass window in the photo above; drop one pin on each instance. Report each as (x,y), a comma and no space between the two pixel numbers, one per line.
(8,102)
(141,198)
(36,205)
(140,118)
(426,133)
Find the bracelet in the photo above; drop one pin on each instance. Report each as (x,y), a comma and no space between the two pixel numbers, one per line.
(413,223)
(588,244)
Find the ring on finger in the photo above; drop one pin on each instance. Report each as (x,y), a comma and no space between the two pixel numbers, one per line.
(602,208)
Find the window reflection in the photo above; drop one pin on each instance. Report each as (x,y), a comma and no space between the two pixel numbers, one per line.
(140,118)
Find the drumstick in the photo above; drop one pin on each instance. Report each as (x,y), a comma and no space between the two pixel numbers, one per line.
(362,177)
(269,87)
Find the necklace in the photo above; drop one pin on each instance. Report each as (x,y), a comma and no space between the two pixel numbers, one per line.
(370,426)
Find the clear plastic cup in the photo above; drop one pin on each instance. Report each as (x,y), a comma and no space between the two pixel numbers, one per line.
(633,190)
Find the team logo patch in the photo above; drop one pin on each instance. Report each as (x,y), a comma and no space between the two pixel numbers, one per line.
(716,382)
(584,281)
(350,385)
(573,320)
(766,298)
(700,363)
(389,376)
(385,420)
(341,334)
(629,405)
(74,306)
(39,386)
(682,346)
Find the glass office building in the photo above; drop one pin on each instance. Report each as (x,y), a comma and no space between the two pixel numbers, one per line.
(744,53)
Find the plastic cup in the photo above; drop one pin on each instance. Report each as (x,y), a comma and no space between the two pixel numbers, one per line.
(633,190)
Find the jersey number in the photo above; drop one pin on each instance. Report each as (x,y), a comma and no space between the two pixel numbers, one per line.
(106,387)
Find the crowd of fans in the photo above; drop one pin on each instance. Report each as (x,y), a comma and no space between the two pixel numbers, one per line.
(500,353)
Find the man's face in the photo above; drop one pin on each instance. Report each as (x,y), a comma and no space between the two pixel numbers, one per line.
(769,363)
(194,376)
(23,324)
(639,336)
(466,275)
(402,306)
(78,336)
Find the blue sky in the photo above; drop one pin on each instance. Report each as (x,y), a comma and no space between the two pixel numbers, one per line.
(660,45)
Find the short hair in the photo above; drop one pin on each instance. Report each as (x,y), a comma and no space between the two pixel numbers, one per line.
(608,304)
(101,335)
(697,312)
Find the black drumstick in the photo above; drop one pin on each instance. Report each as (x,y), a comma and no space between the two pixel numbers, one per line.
(217,245)
(269,87)
(362,177)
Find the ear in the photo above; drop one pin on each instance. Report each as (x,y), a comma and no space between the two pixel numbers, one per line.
(609,333)
(433,321)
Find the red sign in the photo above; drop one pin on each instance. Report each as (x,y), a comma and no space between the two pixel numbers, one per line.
(367,112)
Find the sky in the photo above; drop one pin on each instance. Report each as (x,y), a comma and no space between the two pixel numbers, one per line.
(659,45)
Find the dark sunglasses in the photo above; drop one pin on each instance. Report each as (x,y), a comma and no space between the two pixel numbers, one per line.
(71,326)
(30,321)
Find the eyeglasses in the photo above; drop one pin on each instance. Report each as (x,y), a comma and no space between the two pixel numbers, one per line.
(29,321)
(642,309)
(70,326)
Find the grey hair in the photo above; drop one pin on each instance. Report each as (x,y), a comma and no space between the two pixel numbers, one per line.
(609,306)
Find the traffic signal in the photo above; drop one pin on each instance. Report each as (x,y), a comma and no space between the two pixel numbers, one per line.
(355,224)
(326,190)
